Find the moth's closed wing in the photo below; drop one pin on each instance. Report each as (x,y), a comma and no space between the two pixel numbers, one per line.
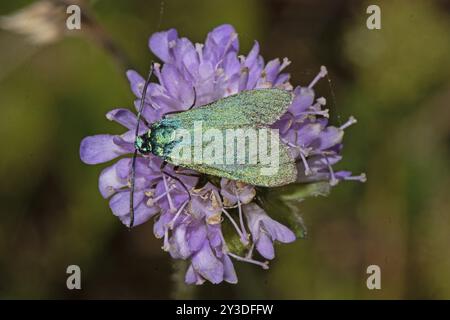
(253,108)
(284,171)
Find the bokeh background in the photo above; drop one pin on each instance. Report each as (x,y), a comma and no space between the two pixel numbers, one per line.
(395,81)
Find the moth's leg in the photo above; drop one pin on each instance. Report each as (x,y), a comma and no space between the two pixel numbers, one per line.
(181,182)
(260,197)
(176,168)
(260,201)
(214,180)
(188,174)
(202,181)
(163,165)
(147,124)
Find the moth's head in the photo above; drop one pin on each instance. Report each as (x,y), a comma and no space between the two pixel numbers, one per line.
(143,143)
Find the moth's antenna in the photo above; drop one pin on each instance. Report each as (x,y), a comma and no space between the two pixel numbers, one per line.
(133,161)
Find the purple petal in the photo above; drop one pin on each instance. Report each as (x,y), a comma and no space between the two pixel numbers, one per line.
(253,214)
(137,82)
(179,248)
(123,116)
(231,64)
(229,274)
(123,167)
(178,195)
(196,237)
(329,137)
(150,114)
(215,236)
(278,231)
(127,147)
(177,87)
(304,98)
(142,213)
(255,63)
(264,246)
(120,206)
(227,192)
(246,194)
(187,58)
(255,73)
(271,70)
(205,84)
(143,169)
(207,265)
(120,202)
(308,133)
(257,219)
(99,148)
(243,79)
(160,225)
(161,44)
(110,181)
(193,277)
(282,80)
(230,191)
(218,42)
(161,101)
(319,161)
(284,123)
(252,56)
(197,208)
(225,34)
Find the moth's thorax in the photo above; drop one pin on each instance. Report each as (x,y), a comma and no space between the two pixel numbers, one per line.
(159,139)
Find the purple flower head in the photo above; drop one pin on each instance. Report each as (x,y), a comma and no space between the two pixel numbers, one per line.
(265,230)
(188,219)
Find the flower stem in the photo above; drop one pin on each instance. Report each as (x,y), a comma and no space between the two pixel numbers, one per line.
(180,290)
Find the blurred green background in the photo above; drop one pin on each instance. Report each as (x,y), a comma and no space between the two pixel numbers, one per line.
(395,81)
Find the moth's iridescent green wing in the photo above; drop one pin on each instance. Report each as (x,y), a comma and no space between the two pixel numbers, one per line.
(274,167)
(253,108)
(283,173)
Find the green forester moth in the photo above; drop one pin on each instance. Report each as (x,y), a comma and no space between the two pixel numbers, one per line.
(176,135)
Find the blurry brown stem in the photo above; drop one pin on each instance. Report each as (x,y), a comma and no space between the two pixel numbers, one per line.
(107,43)
(180,290)
(92,29)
